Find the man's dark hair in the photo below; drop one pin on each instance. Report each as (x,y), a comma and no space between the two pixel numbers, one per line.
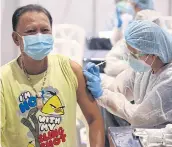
(28,8)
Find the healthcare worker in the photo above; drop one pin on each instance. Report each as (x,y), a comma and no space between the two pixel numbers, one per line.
(114,59)
(124,11)
(148,83)
(115,63)
(123,19)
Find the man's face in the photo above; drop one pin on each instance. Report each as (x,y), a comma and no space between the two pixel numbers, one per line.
(31,23)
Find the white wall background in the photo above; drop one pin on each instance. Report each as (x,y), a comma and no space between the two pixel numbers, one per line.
(163,6)
(8,52)
(80,12)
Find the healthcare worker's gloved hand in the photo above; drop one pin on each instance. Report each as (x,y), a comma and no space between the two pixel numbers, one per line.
(119,20)
(92,75)
(92,68)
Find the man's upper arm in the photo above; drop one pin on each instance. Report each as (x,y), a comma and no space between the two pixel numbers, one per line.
(87,104)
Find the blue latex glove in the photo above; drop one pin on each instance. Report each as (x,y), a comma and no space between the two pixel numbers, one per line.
(92,75)
(118,15)
(92,68)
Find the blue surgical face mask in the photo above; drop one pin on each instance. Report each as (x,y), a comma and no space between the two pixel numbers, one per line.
(38,46)
(139,65)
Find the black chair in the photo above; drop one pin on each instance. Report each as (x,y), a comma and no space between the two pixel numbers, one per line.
(99,44)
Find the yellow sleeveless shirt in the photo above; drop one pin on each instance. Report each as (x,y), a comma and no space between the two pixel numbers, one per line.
(22,123)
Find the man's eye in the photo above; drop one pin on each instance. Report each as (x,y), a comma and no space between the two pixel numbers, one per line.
(30,31)
(46,30)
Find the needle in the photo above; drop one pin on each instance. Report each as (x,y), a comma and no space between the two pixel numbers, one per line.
(101,63)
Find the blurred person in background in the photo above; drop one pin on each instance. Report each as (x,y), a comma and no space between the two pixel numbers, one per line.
(125,11)
(114,59)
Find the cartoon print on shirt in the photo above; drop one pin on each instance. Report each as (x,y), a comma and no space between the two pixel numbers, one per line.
(53,105)
(52,109)
(30,144)
(31,118)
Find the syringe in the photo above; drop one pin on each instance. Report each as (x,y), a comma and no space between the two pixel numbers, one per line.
(101,63)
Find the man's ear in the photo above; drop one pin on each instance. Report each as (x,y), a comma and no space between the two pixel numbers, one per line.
(16,38)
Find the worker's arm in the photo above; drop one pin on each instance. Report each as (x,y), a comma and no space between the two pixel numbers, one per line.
(90,109)
(155,107)
(121,83)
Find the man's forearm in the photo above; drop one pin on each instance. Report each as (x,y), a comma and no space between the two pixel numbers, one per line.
(96,133)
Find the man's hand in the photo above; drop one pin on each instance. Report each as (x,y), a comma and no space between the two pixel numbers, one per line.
(90,109)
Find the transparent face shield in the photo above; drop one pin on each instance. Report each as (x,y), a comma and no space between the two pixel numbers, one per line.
(128,54)
(135,62)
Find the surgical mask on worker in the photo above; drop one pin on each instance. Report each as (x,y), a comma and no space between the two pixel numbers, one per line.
(139,65)
(38,46)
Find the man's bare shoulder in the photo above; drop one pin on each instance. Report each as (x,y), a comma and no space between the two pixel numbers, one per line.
(82,90)
(76,67)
